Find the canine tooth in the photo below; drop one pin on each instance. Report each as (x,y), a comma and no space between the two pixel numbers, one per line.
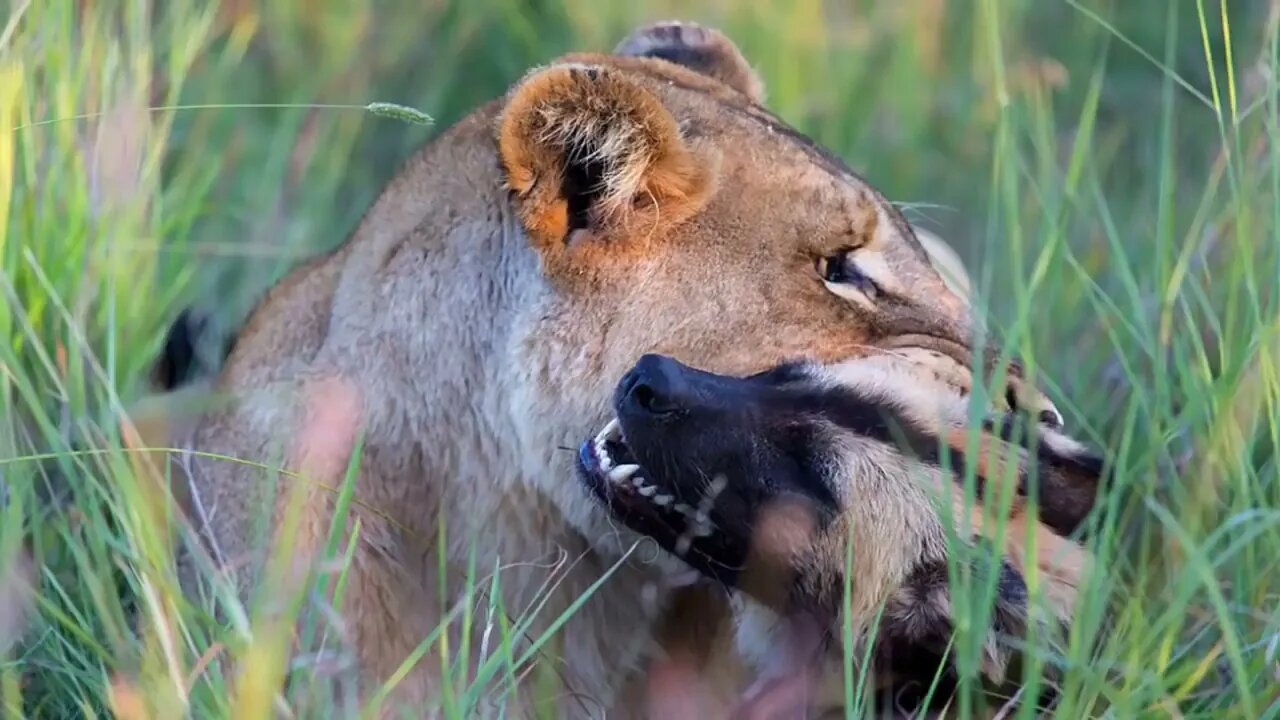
(610,432)
(638,482)
(606,462)
(662,500)
(622,472)
(648,490)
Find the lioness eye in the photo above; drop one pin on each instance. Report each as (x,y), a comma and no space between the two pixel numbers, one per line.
(840,269)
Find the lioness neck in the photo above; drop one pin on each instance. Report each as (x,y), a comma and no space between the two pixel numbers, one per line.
(419,314)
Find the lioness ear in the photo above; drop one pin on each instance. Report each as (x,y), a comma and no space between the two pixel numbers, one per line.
(587,149)
(699,48)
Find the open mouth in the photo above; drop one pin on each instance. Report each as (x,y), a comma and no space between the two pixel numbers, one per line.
(609,468)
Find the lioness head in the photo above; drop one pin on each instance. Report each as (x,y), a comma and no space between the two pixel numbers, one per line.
(797,482)
(670,212)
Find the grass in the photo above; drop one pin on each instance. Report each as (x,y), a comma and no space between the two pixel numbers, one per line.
(1108,168)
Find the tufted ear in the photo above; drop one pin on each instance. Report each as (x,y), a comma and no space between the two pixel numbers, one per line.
(919,619)
(1068,475)
(591,155)
(702,49)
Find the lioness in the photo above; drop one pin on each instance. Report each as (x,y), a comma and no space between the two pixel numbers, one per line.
(821,494)
(608,205)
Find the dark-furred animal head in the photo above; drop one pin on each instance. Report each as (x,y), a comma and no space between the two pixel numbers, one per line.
(793,484)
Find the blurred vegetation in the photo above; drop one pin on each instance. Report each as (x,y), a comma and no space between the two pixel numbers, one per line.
(1108,167)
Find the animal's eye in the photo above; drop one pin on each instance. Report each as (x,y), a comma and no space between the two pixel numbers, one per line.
(842,269)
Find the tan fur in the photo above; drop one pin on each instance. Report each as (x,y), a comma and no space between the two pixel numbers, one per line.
(472,335)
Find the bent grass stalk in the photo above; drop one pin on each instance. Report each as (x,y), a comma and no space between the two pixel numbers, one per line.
(383,109)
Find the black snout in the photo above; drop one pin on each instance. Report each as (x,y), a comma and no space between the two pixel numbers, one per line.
(656,385)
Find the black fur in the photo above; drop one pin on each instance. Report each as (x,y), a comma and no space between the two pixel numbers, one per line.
(582,186)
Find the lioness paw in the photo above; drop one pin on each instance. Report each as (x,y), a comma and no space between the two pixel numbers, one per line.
(696,47)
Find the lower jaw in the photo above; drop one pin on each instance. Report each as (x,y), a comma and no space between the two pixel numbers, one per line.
(619,543)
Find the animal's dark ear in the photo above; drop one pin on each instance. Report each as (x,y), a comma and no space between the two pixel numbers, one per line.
(919,619)
(703,49)
(1068,474)
(585,148)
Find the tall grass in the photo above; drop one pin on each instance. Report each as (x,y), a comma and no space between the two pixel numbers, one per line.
(1109,168)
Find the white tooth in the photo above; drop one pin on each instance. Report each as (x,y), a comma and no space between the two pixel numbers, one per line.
(622,472)
(701,518)
(609,432)
(638,482)
(662,500)
(682,509)
(648,490)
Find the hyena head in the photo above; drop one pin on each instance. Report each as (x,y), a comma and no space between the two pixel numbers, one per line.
(832,497)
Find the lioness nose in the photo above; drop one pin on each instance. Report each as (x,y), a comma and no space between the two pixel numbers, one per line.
(655,386)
